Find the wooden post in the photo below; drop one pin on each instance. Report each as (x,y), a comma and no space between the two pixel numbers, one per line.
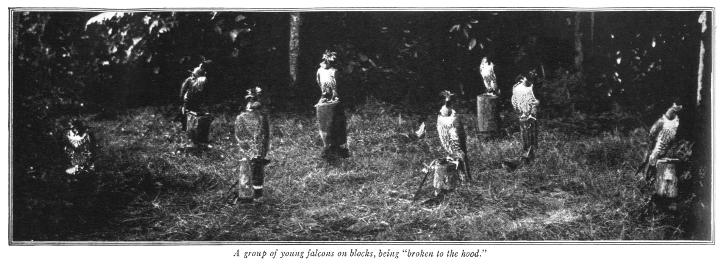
(198,127)
(666,180)
(245,190)
(529,135)
(578,44)
(332,127)
(251,178)
(488,115)
(701,58)
(445,176)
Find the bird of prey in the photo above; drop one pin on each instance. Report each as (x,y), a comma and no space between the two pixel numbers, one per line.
(487,71)
(452,135)
(523,99)
(80,148)
(326,77)
(661,137)
(197,120)
(192,87)
(252,129)
(252,132)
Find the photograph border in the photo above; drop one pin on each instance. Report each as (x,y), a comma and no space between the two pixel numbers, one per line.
(357,9)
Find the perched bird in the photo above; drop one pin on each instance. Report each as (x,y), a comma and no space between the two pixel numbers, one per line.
(252,132)
(80,148)
(487,71)
(197,119)
(523,99)
(192,88)
(326,77)
(252,129)
(452,135)
(661,137)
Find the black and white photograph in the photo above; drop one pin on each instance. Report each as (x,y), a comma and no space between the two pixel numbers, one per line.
(348,125)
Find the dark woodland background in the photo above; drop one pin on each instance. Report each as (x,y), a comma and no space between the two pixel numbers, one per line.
(602,71)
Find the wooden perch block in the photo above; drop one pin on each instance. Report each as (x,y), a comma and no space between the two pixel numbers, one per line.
(666,179)
(487,114)
(529,136)
(198,127)
(245,190)
(445,176)
(332,124)
(251,178)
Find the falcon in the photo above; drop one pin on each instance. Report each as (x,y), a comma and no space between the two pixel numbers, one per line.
(452,135)
(192,87)
(661,137)
(197,119)
(252,129)
(326,77)
(252,132)
(487,71)
(523,99)
(80,148)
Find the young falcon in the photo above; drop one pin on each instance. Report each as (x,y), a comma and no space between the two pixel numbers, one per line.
(326,77)
(487,71)
(523,99)
(662,135)
(192,87)
(80,148)
(452,135)
(252,129)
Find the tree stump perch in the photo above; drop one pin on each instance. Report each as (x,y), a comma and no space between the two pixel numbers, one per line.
(488,115)
(332,127)
(198,127)
(666,179)
(529,136)
(251,178)
(445,176)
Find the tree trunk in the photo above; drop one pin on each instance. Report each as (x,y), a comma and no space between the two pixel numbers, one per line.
(578,44)
(699,227)
(294,48)
(592,34)
(701,66)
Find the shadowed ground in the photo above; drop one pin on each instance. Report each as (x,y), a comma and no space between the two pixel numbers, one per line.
(580,187)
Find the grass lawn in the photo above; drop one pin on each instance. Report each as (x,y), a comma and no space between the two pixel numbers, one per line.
(581,186)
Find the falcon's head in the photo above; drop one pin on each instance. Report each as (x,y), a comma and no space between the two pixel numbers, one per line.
(672,112)
(329,57)
(447,107)
(77,126)
(201,69)
(485,61)
(253,98)
(527,79)
(253,93)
